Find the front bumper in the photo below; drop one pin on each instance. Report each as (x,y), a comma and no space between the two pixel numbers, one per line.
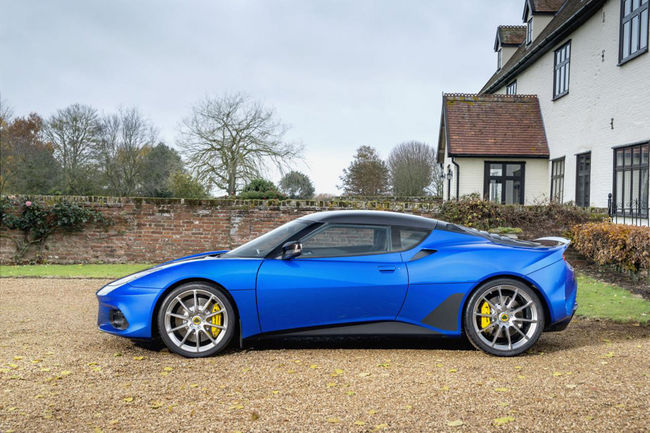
(135,303)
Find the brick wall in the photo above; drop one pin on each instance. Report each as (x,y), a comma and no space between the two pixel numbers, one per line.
(155,230)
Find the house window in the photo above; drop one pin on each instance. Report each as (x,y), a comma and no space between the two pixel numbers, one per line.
(504,182)
(631,180)
(529,31)
(499,57)
(583,179)
(557,180)
(634,29)
(562,64)
(511,89)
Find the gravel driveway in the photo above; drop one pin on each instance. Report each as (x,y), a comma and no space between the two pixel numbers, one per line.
(59,373)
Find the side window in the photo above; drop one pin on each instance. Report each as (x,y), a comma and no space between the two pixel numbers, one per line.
(339,240)
(406,238)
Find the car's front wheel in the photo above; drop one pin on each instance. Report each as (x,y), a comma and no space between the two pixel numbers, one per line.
(504,317)
(196,320)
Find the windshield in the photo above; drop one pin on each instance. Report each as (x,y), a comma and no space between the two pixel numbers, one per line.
(260,247)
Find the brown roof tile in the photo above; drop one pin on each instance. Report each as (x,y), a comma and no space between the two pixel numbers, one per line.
(547,6)
(494,125)
(568,17)
(511,35)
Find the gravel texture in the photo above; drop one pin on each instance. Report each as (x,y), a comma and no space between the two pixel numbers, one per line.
(59,373)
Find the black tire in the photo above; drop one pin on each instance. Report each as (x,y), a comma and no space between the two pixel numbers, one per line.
(171,338)
(502,320)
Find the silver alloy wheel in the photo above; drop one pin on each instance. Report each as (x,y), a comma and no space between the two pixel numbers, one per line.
(189,320)
(513,317)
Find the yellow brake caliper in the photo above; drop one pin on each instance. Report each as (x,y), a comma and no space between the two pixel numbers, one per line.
(216,320)
(485,309)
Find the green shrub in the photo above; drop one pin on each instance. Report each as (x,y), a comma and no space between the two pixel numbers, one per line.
(625,247)
(260,189)
(38,221)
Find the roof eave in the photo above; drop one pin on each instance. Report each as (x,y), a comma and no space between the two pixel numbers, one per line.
(571,24)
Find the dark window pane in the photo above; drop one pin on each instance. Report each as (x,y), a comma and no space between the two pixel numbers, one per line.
(496,169)
(636,156)
(635,189)
(628,157)
(495,191)
(644,155)
(620,196)
(635,34)
(644,30)
(644,190)
(619,158)
(627,178)
(626,39)
(513,170)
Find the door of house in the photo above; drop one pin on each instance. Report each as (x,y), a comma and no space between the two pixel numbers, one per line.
(583,179)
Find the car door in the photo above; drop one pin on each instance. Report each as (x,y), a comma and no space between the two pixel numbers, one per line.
(346,274)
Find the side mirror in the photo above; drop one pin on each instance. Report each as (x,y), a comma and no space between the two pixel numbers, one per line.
(291,249)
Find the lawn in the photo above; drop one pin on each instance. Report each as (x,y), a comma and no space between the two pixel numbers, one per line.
(72,271)
(608,301)
(595,298)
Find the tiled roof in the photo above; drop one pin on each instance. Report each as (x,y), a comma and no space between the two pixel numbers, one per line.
(494,125)
(571,15)
(511,35)
(546,6)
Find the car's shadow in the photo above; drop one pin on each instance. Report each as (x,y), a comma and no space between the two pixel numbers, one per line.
(365,342)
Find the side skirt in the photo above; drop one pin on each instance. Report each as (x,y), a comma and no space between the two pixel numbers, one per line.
(383,328)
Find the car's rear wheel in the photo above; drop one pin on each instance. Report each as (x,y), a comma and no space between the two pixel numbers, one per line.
(504,317)
(196,320)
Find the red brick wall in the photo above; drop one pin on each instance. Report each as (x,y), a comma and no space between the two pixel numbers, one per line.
(155,230)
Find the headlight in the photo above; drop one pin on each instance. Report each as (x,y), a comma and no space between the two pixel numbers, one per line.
(122,281)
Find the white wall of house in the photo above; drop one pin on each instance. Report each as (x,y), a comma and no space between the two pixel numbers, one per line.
(472,170)
(506,54)
(599,91)
(540,21)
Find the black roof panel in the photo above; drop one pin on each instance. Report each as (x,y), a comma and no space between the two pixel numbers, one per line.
(372,217)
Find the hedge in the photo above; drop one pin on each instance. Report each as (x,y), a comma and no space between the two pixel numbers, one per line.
(548,219)
(623,246)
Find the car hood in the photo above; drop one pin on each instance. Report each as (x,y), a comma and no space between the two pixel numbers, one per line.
(194,257)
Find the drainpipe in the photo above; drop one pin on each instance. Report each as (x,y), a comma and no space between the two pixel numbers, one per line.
(453,161)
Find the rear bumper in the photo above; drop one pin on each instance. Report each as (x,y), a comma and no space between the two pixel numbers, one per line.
(558,284)
(562,324)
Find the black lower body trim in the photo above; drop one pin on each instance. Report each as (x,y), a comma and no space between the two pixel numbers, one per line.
(383,328)
(445,315)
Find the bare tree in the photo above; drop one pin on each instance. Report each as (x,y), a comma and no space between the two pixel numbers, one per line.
(73,133)
(367,174)
(413,169)
(124,139)
(6,116)
(231,140)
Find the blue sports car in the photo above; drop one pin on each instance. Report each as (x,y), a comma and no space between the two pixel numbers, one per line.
(351,273)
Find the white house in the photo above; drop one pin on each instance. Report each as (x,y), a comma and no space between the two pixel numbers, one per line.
(586,63)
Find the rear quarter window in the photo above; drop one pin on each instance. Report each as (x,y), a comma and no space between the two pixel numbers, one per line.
(406,238)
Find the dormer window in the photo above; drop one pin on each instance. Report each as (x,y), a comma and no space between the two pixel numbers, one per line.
(529,31)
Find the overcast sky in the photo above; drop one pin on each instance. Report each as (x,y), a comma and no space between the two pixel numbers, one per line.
(340,73)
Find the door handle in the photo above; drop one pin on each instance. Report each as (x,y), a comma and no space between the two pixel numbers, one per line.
(387,268)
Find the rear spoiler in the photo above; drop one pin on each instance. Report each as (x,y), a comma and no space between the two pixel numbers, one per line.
(558,240)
